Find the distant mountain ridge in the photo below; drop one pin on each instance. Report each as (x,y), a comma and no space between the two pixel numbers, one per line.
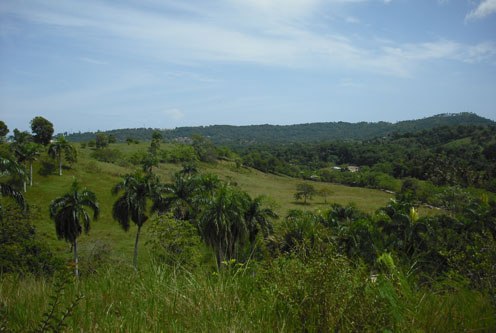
(256,134)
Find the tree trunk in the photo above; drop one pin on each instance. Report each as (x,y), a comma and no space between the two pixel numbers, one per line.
(60,163)
(136,247)
(24,186)
(76,258)
(220,257)
(30,173)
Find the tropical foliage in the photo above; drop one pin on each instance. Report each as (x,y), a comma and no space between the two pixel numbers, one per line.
(132,205)
(71,217)
(218,258)
(59,147)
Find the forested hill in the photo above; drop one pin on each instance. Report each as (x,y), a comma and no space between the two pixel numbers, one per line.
(256,134)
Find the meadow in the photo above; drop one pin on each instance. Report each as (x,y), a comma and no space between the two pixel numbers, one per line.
(100,177)
(314,287)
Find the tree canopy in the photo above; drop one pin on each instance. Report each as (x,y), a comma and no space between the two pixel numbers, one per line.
(42,129)
(71,217)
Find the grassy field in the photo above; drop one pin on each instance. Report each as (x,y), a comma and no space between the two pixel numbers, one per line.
(322,292)
(101,177)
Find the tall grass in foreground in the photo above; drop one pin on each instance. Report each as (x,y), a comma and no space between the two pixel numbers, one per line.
(318,293)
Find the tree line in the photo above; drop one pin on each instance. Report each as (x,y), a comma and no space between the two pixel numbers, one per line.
(239,136)
(450,155)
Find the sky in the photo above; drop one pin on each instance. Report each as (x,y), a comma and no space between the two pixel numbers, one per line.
(98,65)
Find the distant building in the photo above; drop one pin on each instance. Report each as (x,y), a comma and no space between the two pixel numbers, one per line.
(183,139)
(353,168)
(336,168)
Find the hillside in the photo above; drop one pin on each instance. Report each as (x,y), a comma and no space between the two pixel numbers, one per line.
(257,134)
(315,261)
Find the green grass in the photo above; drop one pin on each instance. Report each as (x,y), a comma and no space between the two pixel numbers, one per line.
(101,177)
(290,297)
(283,294)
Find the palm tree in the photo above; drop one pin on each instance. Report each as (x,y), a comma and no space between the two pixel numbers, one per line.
(221,222)
(178,197)
(132,205)
(69,213)
(9,167)
(28,152)
(189,169)
(61,145)
(148,163)
(257,218)
(209,183)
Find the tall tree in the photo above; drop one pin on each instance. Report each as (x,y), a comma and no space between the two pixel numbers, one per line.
(20,141)
(257,218)
(4,130)
(58,147)
(27,153)
(148,162)
(19,138)
(204,148)
(101,140)
(42,129)
(178,197)
(10,167)
(221,222)
(31,151)
(304,190)
(189,169)
(71,217)
(132,205)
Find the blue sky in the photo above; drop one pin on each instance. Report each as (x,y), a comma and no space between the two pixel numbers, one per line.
(97,65)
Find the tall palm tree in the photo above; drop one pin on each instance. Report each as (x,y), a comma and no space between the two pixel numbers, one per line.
(148,163)
(178,197)
(71,217)
(27,152)
(221,222)
(10,167)
(132,205)
(58,147)
(209,183)
(257,218)
(189,169)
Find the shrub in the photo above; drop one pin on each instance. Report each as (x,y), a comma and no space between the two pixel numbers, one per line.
(175,242)
(21,251)
(47,167)
(107,155)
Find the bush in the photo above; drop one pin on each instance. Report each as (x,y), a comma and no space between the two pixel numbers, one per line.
(47,167)
(107,155)
(175,242)
(21,251)
(324,294)
(94,256)
(181,153)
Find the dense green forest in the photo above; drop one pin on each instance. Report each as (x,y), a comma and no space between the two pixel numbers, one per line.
(235,136)
(211,249)
(449,155)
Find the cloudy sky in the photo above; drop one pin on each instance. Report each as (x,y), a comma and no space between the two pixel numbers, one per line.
(90,65)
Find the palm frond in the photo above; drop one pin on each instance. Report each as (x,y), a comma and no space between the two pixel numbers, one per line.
(17,196)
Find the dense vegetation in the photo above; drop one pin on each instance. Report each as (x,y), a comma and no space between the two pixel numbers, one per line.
(216,255)
(238,136)
(456,155)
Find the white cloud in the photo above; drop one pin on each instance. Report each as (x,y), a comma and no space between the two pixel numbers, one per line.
(351,19)
(269,33)
(92,61)
(175,114)
(485,8)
